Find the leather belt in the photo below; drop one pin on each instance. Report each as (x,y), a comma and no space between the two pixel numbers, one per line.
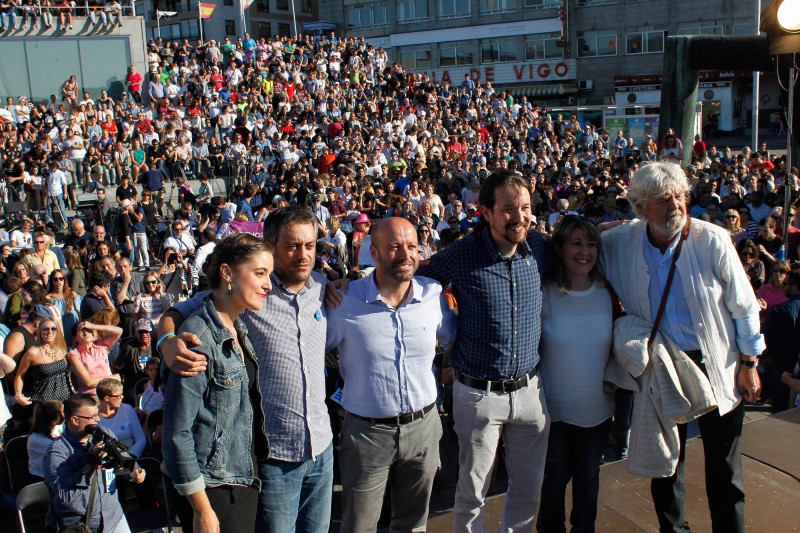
(507,386)
(401,419)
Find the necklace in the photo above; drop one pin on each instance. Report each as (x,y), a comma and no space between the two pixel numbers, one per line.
(49,353)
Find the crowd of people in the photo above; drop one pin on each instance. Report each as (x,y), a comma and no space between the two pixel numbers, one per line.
(377,243)
(30,15)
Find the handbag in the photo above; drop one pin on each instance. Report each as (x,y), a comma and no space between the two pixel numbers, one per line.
(82,526)
(668,284)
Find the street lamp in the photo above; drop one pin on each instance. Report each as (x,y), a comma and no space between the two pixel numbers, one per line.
(788,15)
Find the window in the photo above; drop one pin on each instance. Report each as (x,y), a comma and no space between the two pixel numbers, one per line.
(597,43)
(262,5)
(454,8)
(644,42)
(496,6)
(263,30)
(542,4)
(455,53)
(284,30)
(590,3)
(228,3)
(305,6)
(543,46)
(372,15)
(282,5)
(412,10)
(498,50)
(744,27)
(412,58)
(706,27)
(230,27)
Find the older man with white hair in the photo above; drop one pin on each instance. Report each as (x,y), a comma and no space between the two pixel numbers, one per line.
(690,274)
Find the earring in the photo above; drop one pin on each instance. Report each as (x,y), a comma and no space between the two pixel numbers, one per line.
(230,289)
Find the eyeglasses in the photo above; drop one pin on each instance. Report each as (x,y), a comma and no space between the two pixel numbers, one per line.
(38,242)
(58,279)
(151,282)
(93,417)
(733,217)
(748,254)
(779,271)
(49,330)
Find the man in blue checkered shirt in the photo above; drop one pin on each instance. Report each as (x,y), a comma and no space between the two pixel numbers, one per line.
(495,274)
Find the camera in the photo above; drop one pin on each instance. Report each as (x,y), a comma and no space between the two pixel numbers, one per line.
(116,457)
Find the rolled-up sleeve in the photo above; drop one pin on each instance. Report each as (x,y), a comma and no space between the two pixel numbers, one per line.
(184,396)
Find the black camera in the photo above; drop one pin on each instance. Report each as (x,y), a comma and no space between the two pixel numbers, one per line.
(116,453)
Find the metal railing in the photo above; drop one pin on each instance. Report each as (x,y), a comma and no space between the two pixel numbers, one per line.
(48,15)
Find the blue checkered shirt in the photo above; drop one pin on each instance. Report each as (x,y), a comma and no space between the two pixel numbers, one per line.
(288,335)
(499,304)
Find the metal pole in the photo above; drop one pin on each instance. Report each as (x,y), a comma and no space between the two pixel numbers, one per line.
(241,10)
(200,24)
(756,84)
(294,19)
(158,22)
(787,185)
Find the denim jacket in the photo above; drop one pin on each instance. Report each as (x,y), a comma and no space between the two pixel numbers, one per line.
(209,418)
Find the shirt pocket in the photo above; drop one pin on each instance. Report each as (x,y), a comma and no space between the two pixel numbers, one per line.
(225,389)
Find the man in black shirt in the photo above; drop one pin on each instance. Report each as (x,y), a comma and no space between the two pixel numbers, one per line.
(126,190)
(77,234)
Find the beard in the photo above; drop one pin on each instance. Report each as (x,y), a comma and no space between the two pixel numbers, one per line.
(397,269)
(672,223)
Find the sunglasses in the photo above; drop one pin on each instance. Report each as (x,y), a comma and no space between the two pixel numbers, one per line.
(150,283)
(58,279)
(93,417)
(49,330)
(748,254)
(733,217)
(38,242)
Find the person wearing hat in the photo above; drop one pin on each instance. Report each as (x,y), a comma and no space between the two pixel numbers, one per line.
(361,240)
(131,363)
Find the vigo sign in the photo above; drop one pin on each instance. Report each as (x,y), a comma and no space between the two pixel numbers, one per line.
(505,73)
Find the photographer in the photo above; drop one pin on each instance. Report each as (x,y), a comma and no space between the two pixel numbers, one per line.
(69,466)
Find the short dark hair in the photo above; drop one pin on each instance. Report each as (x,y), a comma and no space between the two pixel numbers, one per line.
(75,402)
(209,234)
(232,250)
(285,216)
(100,278)
(497,179)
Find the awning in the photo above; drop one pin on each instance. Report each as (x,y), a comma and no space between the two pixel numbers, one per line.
(541,90)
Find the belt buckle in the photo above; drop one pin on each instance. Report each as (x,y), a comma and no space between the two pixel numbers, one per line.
(508,385)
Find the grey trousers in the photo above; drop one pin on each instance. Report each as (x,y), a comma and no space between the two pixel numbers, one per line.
(140,250)
(407,456)
(480,419)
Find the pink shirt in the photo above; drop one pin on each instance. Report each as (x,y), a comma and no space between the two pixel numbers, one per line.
(771,296)
(95,359)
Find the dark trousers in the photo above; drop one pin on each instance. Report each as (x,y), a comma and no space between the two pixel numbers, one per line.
(235,507)
(722,436)
(573,452)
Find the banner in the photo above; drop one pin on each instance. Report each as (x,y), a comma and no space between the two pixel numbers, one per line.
(206,10)
(246,3)
(255,229)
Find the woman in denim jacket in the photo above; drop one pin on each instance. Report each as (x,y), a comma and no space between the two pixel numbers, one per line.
(213,431)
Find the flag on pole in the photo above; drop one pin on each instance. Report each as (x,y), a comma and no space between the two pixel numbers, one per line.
(246,3)
(166,13)
(206,10)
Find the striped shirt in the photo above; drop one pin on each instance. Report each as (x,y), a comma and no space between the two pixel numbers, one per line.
(499,304)
(288,335)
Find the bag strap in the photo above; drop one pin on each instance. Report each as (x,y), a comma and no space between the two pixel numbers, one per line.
(89,507)
(663,304)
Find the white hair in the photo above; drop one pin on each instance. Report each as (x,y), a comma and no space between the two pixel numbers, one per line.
(656,180)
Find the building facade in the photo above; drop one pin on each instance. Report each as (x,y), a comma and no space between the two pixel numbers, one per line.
(263,18)
(561,52)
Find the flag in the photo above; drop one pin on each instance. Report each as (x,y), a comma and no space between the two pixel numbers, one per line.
(206,10)
(246,3)
(166,13)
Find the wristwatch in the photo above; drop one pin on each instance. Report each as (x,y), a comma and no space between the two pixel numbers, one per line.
(752,363)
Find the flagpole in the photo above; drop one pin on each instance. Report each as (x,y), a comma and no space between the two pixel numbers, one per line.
(200,23)
(158,22)
(241,10)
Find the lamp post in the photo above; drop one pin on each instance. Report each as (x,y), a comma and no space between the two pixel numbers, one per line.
(788,15)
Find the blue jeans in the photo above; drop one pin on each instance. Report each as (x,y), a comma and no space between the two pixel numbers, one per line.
(296,496)
(57,199)
(573,452)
